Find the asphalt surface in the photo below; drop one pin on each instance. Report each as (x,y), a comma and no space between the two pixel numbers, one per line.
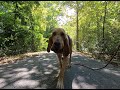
(38,73)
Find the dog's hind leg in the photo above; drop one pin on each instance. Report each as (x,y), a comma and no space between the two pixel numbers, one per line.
(69,65)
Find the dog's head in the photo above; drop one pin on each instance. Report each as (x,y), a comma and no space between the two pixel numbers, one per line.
(58,41)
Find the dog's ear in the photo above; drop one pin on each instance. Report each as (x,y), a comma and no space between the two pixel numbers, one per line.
(66,49)
(49,44)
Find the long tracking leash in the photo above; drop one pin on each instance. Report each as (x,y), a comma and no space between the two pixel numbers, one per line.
(115,53)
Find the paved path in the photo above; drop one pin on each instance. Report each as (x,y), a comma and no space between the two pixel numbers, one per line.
(39,71)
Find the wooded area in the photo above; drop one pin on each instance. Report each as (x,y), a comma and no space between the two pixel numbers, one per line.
(25,26)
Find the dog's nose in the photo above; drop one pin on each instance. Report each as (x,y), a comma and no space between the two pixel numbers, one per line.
(57,44)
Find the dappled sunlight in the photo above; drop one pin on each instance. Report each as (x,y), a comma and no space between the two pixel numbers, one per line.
(79,83)
(83,78)
(34,70)
(44,64)
(31,61)
(48,72)
(20,69)
(22,75)
(47,59)
(29,73)
(8,75)
(112,72)
(39,72)
(80,78)
(27,83)
(2,82)
(82,85)
(50,66)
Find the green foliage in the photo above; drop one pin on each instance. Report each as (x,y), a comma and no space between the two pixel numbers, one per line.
(91,17)
(26,25)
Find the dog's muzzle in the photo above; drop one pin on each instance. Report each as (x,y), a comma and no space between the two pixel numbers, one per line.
(56,47)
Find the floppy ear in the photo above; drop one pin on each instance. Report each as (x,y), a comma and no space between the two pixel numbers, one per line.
(66,49)
(49,44)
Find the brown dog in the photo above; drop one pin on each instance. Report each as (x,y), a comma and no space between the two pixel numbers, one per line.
(61,44)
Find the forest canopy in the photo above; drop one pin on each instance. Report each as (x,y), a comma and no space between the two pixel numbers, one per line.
(25,26)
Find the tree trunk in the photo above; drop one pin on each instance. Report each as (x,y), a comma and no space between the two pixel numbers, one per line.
(98,31)
(77,31)
(104,21)
(32,28)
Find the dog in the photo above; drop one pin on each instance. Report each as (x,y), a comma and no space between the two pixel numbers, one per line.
(61,44)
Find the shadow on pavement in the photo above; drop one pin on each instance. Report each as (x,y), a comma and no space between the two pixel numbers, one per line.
(35,72)
(38,73)
(80,77)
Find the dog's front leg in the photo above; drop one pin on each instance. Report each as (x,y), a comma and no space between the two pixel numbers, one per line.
(60,63)
(60,60)
(60,83)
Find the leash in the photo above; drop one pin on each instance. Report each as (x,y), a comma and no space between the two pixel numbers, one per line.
(115,53)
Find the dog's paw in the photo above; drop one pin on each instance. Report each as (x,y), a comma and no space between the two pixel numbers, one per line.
(48,50)
(60,84)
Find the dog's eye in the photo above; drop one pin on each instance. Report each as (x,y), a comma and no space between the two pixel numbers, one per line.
(54,33)
(62,34)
